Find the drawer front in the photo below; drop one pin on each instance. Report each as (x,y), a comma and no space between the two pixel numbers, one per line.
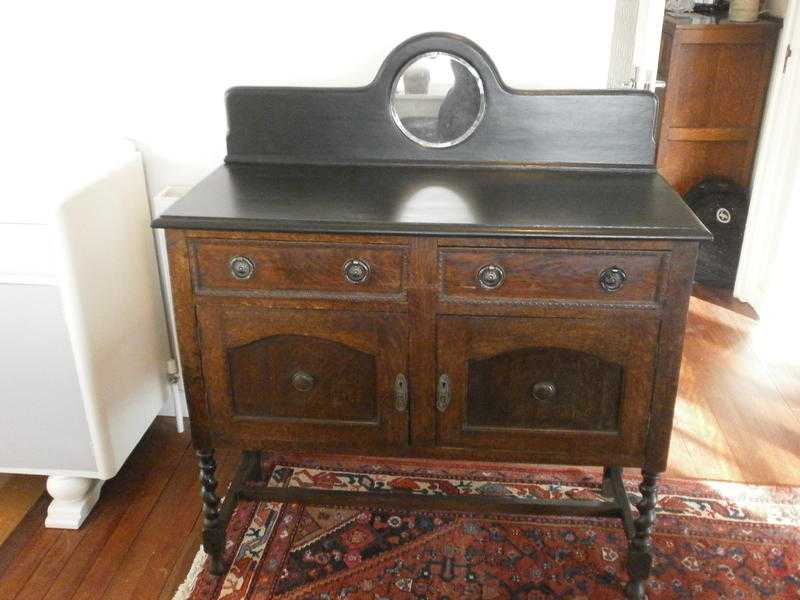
(280,268)
(517,275)
(320,378)
(547,385)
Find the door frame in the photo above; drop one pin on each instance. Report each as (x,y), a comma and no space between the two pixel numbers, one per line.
(641,50)
(776,179)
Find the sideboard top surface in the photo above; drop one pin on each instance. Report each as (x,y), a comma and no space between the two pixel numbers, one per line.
(436,201)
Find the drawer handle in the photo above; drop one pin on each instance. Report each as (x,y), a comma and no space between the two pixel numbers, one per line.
(401,393)
(612,279)
(356,271)
(544,390)
(443,394)
(491,277)
(242,267)
(302,381)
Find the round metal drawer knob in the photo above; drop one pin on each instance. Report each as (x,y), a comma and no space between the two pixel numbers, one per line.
(544,390)
(612,279)
(242,267)
(491,276)
(356,271)
(302,381)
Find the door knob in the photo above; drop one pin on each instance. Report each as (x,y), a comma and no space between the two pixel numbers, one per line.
(302,381)
(544,390)
(612,279)
(491,276)
(242,267)
(356,271)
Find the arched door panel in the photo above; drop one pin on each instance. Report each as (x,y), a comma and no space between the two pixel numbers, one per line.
(558,385)
(309,379)
(303,377)
(544,388)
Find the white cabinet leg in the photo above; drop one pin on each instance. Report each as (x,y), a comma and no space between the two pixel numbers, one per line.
(73,500)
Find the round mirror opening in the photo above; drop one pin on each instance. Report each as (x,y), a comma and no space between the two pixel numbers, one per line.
(438,100)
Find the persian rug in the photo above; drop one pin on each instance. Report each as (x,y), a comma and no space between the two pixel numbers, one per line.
(712,540)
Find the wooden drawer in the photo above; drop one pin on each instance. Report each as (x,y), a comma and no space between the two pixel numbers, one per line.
(514,275)
(281,268)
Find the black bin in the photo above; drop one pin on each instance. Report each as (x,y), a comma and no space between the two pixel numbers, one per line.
(721,205)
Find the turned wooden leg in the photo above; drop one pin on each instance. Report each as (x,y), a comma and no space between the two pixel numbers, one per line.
(213,528)
(608,488)
(255,472)
(640,549)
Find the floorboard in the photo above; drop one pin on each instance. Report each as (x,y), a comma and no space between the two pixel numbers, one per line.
(17,494)
(737,423)
(150,483)
(20,538)
(737,418)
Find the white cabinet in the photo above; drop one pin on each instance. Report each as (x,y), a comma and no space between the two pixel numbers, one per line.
(83,342)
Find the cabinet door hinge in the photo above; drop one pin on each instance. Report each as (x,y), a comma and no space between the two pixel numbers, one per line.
(787,55)
(443,393)
(401,393)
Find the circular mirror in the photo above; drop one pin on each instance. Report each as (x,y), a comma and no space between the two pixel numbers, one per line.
(438,100)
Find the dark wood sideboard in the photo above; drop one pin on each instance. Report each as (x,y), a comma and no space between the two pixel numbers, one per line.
(517,296)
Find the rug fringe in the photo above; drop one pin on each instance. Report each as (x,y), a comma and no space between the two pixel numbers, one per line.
(187,587)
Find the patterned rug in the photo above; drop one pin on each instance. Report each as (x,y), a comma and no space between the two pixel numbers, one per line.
(712,540)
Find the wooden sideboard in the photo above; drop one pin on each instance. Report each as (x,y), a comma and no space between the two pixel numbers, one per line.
(518,296)
(717,74)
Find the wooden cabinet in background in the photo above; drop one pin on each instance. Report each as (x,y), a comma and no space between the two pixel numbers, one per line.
(717,75)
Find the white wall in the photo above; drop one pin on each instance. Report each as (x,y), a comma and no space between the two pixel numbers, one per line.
(766,277)
(156,72)
(778,7)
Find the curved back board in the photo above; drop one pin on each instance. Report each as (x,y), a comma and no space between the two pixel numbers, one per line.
(562,129)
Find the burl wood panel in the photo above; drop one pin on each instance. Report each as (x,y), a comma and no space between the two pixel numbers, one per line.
(717,92)
(501,390)
(616,344)
(303,377)
(549,274)
(296,268)
(353,358)
(717,77)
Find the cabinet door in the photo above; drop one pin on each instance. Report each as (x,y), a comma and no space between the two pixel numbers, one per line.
(545,385)
(320,379)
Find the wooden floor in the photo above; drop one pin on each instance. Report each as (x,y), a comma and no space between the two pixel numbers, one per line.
(738,411)
(738,418)
(17,495)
